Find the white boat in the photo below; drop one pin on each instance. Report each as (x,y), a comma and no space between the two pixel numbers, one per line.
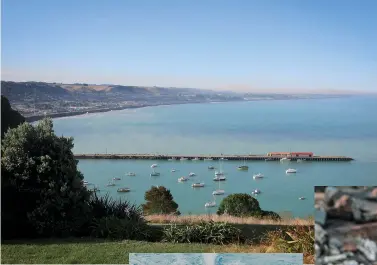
(124,190)
(116,178)
(285,159)
(182,179)
(219,178)
(208,158)
(155,174)
(218,191)
(220,172)
(258,176)
(85,182)
(131,174)
(256,191)
(211,204)
(110,184)
(94,189)
(211,167)
(154,165)
(197,185)
(173,170)
(183,158)
(196,159)
(299,160)
(290,170)
(223,158)
(192,174)
(302,198)
(172,159)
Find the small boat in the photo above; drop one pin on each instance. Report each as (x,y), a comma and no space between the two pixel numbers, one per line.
(290,170)
(285,159)
(258,176)
(173,170)
(131,174)
(223,158)
(154,165)
(192,174)
(183,158)
(85,183)
(219,178)
(218,191)
(196,159)
(269,159)
(243,167)
(197,185)
(116,178)
(208,159)
(219,173)
(210,204)
(155,174)
(211,167)
(302,198)
(124,190)
(110,184)
(182,179)
(172,159)
(255,192)
(299,160)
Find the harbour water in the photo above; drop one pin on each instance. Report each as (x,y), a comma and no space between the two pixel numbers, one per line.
(337,126)
(215,259)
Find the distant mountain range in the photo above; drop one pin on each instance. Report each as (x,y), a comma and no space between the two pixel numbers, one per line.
(37,99)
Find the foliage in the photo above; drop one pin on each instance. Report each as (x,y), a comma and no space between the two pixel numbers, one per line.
(205,232)
(159,201)
(239,205)
(9,117)
(244,205)
(42,194)
(298,239)
(116,219)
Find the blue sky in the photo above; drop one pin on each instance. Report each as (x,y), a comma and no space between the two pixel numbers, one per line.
(242,45)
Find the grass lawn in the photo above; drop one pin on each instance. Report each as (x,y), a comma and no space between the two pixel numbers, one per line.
(92,251)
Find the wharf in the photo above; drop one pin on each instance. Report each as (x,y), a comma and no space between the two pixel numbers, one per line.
(208,157)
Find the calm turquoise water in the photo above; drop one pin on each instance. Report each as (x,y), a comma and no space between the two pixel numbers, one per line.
(342,126)
(215,259)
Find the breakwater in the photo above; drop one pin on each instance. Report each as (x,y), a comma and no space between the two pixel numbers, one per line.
(208,157)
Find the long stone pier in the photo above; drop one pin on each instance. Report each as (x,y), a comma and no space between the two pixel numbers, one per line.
(208,157)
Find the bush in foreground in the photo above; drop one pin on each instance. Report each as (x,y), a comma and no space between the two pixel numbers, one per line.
(42,194)
(116,219)
(159,201)
(205,232)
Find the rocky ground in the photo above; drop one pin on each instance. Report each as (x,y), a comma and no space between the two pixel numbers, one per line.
(346,226)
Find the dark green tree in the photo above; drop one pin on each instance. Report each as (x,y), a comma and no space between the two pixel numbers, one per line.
(239,205)
(42,192)
(242,205)
(159,201)
(9,117)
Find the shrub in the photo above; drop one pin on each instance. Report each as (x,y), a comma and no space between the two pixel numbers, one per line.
(205,232)
(271,215)
(42,194)
(239,205)
(116,219)
(9,117)
(159,201)
(299,239)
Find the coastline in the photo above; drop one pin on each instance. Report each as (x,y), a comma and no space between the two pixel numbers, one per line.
(35,118)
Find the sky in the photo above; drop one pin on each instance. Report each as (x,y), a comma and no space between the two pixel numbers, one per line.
(249,45)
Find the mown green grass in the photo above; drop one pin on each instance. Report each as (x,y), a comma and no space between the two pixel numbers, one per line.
(89,251)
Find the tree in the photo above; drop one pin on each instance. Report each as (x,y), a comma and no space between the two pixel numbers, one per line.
(239,205)
(159,201)
(9,117)
(42,193)
(242,205)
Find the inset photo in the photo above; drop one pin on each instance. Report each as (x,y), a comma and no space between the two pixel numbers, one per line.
(346,225)
(215,259)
